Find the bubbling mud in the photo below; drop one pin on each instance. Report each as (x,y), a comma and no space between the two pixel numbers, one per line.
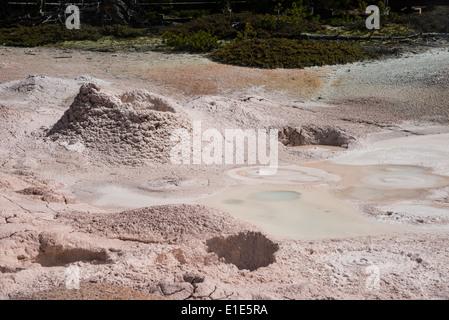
(294,175)
(385,183)
(295,212)
(312,200)
(400,177)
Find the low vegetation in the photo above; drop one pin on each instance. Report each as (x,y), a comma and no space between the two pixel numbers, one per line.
(227,27)
(263,39)
(287,53)
(201,41)
(51,34)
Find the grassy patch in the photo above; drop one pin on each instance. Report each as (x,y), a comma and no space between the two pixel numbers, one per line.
(286,53)
(112,44)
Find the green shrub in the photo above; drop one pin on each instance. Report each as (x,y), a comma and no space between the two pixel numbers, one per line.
(227,27)
(201,41)
(296,14)
(345,20)
(121,31)
(49,34)
(426,22)
(44,34)
(286,53)
(190,13)
(215,24)
(247,34)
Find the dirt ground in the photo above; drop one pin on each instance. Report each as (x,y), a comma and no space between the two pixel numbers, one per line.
(134,229)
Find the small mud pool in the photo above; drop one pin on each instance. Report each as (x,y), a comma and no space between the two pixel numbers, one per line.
(275,196)
(294,175)
(385,183)
(317,201)
(117,197)
(311,201)
(298,213)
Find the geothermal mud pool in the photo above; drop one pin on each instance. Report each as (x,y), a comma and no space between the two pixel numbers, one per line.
(291,212)
(86,180)
(314,212)
(304,201)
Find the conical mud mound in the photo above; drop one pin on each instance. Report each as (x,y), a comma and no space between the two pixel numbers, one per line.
(132,128)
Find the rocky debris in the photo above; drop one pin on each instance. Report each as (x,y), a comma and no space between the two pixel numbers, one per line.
(174,290)
(246,250)
(191,287)
(134,128)
(159,224)
(193,278)
(58,249)
(313,135)
(44,194)
(426,216)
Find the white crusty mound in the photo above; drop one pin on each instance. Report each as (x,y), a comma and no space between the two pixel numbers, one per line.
(158,224)
(37,90)
(132,128)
